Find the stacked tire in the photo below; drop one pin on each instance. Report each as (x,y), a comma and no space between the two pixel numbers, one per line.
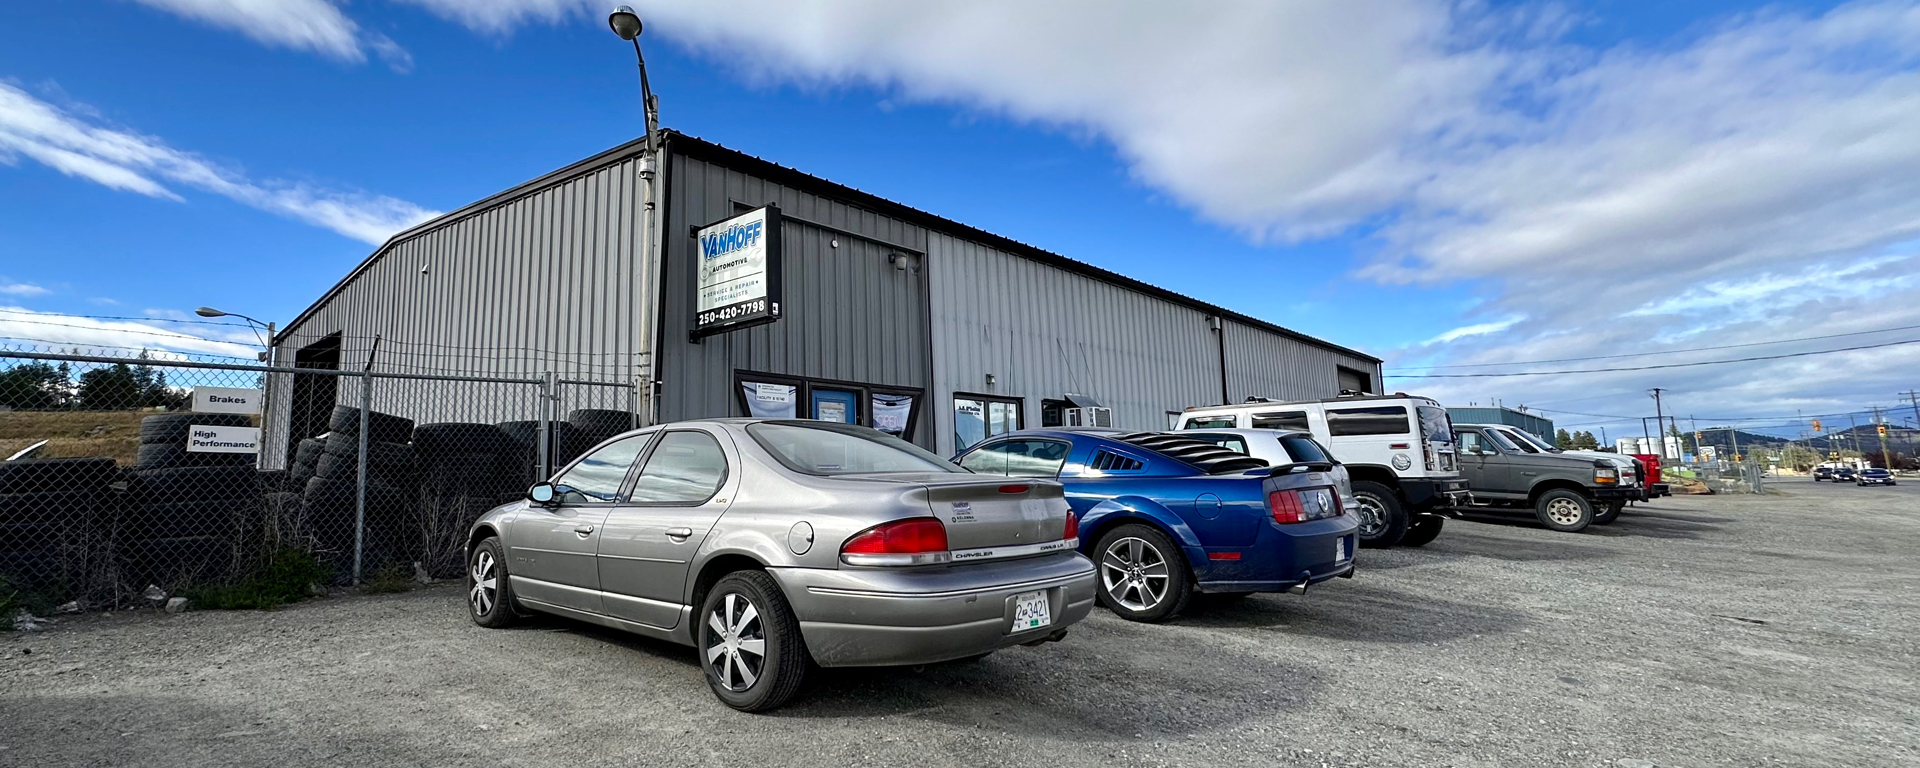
(51,515)
(464,470)
(163,441)
(562,446)
(329,504)
(186,525)
(592,427)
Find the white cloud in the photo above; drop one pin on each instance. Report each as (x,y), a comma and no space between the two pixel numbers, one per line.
(22,289)
(1478,329)
(131,162)
(303,25)
(114,337)
(502,16)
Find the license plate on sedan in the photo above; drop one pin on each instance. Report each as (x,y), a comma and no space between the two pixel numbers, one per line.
(1031,611)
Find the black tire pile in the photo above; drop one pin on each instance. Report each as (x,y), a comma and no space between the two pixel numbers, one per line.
(464,470)
(187,517)
(327,471)
(51,513)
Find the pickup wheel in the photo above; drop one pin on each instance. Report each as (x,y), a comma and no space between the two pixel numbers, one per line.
(1609,512)
(1423,531)
(1383,521)
(1143,576)
(1564,510)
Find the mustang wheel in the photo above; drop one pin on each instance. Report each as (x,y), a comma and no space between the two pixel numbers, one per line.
(1381,518)
(489,595)
(1143,576)
(750,644)
(1564,510)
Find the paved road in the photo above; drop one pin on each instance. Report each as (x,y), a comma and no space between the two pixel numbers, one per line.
(1701,631)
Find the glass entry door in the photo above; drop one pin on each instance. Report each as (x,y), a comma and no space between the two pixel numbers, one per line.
(838,405)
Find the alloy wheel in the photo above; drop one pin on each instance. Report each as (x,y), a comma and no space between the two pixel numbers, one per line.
(736,643)
(485,589)
(1134,573)
(1372,517)
(1563,511)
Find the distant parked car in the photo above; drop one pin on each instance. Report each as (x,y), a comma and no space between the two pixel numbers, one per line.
(1166,516)
(1874,476)
(772,544)
(1564,492)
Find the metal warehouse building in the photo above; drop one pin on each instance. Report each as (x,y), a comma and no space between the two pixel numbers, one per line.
(1499,414)
(870,311)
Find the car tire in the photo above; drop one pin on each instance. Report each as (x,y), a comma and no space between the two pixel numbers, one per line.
(489,606)
(1126,558)
(1609,512)
(748,609)
(1563,510)
(1383,520)
(1423,531)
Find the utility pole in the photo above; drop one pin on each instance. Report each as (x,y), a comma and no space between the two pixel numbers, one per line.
(1881,427)
(1660,420)
(1855,433)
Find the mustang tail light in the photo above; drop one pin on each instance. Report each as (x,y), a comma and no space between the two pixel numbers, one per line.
(913,541)
(1290,506)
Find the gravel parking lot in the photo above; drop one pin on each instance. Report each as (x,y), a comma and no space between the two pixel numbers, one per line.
(1722,631)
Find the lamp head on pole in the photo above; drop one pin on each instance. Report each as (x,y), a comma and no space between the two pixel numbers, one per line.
(209,312)
(624,22)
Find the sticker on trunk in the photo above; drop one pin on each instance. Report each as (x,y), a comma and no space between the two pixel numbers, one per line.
(962,512)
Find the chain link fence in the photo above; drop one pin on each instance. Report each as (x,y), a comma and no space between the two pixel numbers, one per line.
(111,482)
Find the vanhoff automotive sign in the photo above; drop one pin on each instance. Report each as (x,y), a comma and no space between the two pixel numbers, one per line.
(737,277)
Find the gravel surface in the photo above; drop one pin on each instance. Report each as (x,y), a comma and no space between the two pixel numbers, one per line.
(1699,631)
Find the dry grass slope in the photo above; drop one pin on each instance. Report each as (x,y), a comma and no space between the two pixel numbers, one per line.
(74,433)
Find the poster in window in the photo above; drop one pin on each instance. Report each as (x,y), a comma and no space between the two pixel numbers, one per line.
(770,401)
(737,275)
(969,422)
(830,410)
(891,412)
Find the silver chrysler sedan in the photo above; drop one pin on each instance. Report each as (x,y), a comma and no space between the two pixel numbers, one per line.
(772,544)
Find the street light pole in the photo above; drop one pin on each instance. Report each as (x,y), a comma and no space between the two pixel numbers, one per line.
(626,24)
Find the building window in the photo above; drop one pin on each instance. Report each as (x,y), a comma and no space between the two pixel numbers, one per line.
(1053,413)
(892,410)
(1352,380)
(978,417)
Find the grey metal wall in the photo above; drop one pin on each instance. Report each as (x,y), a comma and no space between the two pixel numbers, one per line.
(1043,331)
(547,278)
(1261,363)
(848,313)
(1542,427)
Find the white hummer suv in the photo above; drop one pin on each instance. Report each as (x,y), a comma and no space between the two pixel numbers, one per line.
(1397,448)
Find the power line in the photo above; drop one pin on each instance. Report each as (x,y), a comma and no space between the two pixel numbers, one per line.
(120,317)
(1660,352)
(1648,367)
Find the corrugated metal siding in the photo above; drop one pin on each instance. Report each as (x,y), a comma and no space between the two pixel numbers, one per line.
(1264,364)
(549,281)
(1043,332)
(1485,414)
(848,314)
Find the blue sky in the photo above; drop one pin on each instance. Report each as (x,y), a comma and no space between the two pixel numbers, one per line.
(1379,193)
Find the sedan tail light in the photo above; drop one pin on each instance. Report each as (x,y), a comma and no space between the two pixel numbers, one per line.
(1073,526)
(913,541)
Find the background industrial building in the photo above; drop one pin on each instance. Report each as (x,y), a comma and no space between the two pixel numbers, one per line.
(1539,426)
(885,307)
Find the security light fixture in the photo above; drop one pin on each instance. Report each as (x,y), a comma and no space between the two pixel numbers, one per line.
(209,312)
(624,22)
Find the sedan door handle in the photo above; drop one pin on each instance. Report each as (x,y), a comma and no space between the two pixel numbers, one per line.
(679,533)
(583,530)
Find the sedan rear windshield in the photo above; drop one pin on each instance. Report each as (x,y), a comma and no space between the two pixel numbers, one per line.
(826,448)
(1304,450)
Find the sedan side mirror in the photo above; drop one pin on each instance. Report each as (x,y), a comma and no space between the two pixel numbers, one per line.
(542,494)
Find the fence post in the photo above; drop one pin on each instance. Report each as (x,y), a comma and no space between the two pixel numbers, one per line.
(360,477)
(549,394)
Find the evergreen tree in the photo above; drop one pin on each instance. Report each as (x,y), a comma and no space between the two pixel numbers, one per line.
(111,388)
(34,386)
(1562,440)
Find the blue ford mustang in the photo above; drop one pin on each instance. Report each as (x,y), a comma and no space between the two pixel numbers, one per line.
(1166,515)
